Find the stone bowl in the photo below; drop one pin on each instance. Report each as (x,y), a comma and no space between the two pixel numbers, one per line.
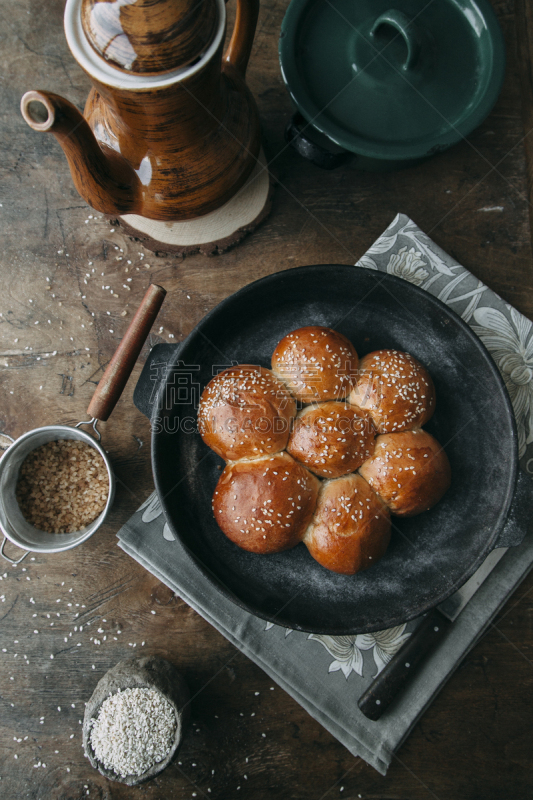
(148,672)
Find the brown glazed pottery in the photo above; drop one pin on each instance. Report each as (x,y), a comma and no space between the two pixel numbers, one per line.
(170,130)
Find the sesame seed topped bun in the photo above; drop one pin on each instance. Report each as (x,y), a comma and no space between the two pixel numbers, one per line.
(395,389)
(332,439)
(350,529)
(245,412)
(409,470)
(265,504)
(316,363)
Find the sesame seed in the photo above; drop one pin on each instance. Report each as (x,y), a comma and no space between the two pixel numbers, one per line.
(134,730)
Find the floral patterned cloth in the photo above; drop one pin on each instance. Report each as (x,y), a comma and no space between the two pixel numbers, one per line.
(405,251)
(328,680)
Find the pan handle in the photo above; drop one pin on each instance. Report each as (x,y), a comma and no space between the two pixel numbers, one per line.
(520,519)
(119,368)
(152,376)
(388,684)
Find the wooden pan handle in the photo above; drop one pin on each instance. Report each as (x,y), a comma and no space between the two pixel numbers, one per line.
(396,674)
(119,368)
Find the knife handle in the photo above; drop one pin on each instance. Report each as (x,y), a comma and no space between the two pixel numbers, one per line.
(396,674)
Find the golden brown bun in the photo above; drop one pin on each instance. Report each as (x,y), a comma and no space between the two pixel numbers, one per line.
(244,412)
(316,363)
(332,439)
(350,529)
(409,470)
(264,505)
(395,389)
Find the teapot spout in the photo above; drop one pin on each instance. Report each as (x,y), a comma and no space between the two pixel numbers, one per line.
(101,175)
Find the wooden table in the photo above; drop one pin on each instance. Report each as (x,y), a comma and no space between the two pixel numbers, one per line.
(59,328)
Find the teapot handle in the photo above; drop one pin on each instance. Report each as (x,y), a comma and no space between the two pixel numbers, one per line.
(242,38)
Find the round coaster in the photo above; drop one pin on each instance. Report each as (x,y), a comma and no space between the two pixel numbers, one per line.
(214,232)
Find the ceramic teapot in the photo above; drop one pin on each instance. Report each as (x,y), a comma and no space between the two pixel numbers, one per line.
(170,130)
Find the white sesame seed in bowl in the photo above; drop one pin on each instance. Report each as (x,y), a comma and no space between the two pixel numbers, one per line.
(134,721)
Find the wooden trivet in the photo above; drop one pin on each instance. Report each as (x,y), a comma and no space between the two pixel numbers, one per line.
(213,233)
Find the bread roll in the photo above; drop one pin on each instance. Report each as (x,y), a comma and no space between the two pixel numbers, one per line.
(395,389)
(264,505)
(332,439)
(409,470)
(350,529)
(316,363)
(244,412)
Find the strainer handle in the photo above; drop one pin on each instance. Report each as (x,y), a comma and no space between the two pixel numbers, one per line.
(11,560)
(119,368)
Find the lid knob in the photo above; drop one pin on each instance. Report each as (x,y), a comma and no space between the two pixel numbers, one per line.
(402,24)
(149,36)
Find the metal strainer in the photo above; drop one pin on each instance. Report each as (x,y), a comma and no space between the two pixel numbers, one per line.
(12,523)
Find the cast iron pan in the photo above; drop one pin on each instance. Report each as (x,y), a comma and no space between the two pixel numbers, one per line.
(431,555)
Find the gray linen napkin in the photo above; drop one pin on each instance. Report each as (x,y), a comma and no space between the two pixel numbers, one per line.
(327,674)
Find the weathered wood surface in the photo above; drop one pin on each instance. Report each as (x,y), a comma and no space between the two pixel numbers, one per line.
(475,739)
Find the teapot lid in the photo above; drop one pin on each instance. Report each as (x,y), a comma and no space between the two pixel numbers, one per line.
(149,37)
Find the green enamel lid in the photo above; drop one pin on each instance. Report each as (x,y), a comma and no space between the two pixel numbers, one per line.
(398,81)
